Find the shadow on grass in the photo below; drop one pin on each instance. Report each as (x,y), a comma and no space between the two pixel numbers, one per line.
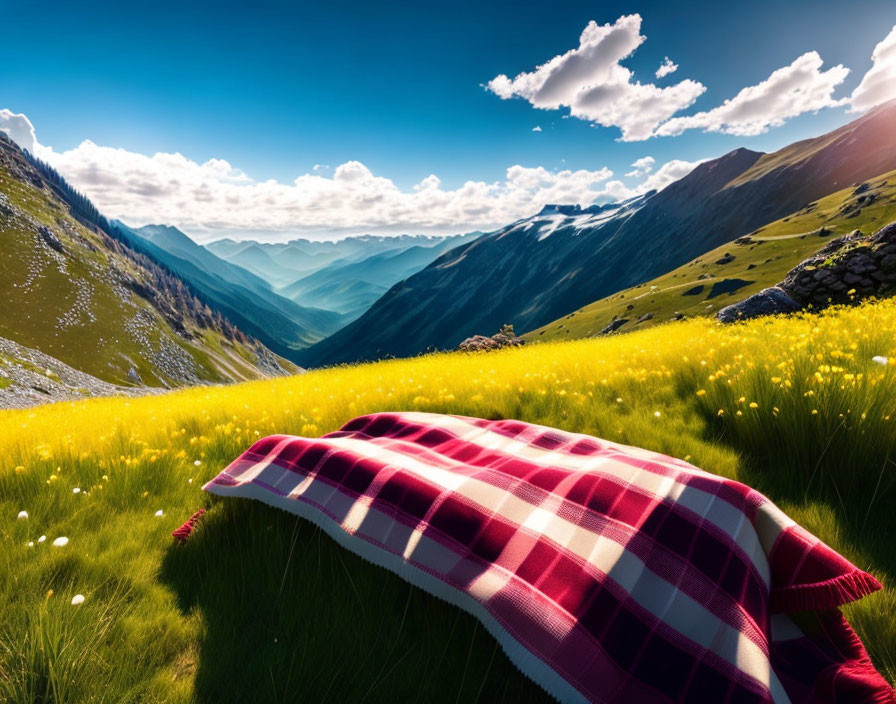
(288,615)
(854,481)
(842,489)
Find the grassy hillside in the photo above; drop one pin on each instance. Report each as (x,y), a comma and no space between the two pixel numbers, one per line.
(259,606)
(76,294)
(735,270)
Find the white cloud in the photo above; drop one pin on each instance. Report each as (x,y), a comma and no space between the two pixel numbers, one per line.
(789,91)
(537,128)
(592,83)
(18,128)
(643,166)
(879,84)
(215,199)
(668,173)
(666,68)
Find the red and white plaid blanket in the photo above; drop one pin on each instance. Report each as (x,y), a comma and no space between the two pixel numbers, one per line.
(607,573)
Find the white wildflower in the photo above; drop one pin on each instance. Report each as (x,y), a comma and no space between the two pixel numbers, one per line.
(77,599)
(41,538)
(160,512)
(197,462)
(657,414)
(22,515)
(76,490)
(61,541)
(30,543)
(883,361)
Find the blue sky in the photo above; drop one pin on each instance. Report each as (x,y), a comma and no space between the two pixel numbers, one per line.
(277,88)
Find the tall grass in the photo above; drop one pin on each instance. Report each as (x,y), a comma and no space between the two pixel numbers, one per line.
(259,606)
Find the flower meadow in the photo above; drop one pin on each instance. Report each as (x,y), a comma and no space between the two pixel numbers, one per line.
(99,604)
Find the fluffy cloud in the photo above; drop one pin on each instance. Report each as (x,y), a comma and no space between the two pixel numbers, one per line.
(666,68)
(668,173)
(642,167)
(537,128)
(215,199)
(879,84)
(595,86)
(19,128)
(789,91)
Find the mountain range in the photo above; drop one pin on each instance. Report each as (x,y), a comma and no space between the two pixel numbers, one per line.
(736,269)
(94,305)
(283,263)
(542,268)
(353,283)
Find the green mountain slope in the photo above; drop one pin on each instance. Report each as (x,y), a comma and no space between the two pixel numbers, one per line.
(72,291)
(737,269)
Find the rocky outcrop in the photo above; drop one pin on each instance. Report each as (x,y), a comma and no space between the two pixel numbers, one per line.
(769,301)
(480,343)
(845,270)
(29,377)
(557,209)
(614,325)
(52,241)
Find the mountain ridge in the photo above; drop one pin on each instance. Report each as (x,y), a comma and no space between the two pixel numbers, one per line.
(584,257)
(734,270)
(284,263)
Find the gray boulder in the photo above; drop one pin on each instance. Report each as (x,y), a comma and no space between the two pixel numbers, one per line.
(614,325)
(769,301)
(50,238)
(506,337)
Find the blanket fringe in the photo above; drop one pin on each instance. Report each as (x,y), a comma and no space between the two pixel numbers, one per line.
(821,596)
(857,680)
(182,534)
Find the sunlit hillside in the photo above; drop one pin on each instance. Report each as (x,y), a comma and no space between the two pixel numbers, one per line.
(73,292)
(737,269)
(797,407)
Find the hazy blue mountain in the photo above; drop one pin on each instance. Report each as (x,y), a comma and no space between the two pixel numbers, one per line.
(262,262)
(351,287)
(246,300)
(179,244)
(284,263)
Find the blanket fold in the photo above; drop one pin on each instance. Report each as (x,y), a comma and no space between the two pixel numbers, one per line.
(606,572)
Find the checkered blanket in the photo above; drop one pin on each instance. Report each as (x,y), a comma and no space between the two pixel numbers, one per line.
(607,573)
